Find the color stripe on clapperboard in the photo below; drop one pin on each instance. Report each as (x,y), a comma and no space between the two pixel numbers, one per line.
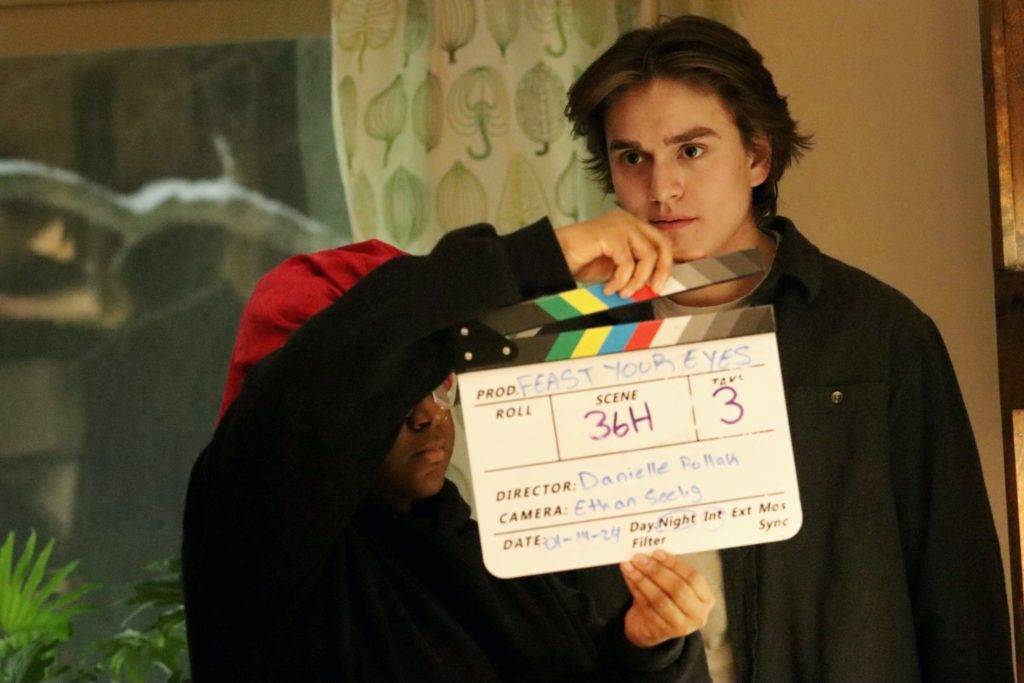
(586,300)
(682,329)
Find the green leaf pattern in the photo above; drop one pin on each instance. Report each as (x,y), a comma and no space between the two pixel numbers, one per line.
(364,204)
(627,15)
(461,199)
(503,19)
(540,101)
(577,194)
(455,24)
(428,112)
(522,197)
(426,66)
(550,16)
(385,115)
(478,104)
(417,27)
(363,24)
(405,206)
(348,112)
(565,190)
(591,20)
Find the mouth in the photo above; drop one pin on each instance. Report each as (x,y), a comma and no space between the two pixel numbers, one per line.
(672,223)
(433,454)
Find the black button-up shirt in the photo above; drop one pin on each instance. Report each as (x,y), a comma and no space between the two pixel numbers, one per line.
(895,574)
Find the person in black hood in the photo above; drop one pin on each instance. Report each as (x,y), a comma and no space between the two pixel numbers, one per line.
(321,539)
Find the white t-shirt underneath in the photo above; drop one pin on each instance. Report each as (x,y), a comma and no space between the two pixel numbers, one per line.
(709,563)
(717,647)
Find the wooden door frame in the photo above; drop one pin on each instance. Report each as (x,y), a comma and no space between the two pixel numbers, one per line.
(1002,45)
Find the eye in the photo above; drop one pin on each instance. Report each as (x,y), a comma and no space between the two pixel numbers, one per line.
(692,151)
(631,157)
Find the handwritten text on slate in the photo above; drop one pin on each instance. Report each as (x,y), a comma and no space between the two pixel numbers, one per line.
(586,461)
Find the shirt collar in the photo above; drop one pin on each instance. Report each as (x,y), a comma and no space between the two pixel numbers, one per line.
(796,259)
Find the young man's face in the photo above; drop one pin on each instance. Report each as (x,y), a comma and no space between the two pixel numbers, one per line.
(416,464)
(678,161)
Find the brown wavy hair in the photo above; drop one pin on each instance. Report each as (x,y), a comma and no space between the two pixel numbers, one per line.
(703,54)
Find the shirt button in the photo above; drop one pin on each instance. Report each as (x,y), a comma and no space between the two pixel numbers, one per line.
(837,397)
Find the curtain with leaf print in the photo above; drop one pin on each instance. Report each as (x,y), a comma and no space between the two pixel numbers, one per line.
(450,112)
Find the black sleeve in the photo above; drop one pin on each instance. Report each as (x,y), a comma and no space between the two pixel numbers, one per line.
(674,661)
(271,495)
(955,574)
(680,660)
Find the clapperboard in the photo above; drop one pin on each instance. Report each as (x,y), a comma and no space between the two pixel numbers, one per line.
(588,446)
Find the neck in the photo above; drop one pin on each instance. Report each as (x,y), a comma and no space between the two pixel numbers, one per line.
(392,499)
(734,289)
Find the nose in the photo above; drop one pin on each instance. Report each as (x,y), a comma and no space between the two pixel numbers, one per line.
(425,414)
(666,182)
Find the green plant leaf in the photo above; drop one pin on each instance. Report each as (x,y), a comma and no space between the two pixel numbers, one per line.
(27,663)
(36,575)
(6,554)
(136,655)
(35,617)
(69,603)
(35,599)
(23,561)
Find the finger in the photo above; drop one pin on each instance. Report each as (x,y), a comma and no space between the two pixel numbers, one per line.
(645,257)
(680,567)
(624,263)
(663,591)
(632,576)
(670,595)
(663,265)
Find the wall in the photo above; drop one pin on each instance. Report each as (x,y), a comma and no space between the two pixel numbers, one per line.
(897,182)
(31,27)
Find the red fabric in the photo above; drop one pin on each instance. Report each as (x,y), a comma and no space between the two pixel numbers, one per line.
(290,294)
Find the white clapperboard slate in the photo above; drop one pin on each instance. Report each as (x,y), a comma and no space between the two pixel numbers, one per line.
(587,447)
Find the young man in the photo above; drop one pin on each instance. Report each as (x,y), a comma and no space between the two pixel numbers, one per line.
(322,541)
(895,574)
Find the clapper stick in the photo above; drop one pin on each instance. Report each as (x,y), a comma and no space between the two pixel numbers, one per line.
(485,342)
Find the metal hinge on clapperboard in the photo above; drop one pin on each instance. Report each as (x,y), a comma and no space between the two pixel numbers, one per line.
(486,342)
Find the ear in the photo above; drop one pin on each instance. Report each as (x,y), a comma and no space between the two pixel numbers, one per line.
(759,159)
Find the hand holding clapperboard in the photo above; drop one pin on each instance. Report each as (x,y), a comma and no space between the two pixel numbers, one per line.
(586,447)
